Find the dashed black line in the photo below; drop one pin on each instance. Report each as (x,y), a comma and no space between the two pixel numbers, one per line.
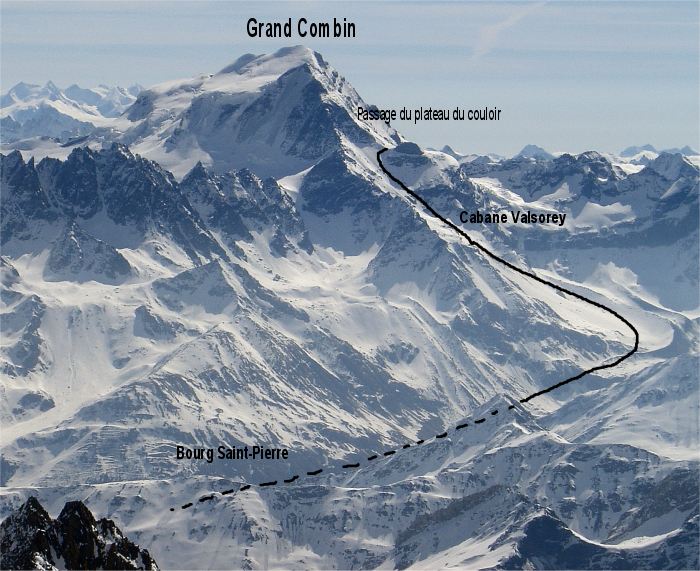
(463,425)
(354,465)
(265,484)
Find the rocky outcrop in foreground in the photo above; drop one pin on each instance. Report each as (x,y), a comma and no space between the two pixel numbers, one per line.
(30,539)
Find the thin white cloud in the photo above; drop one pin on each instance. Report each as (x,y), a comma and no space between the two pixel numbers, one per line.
(488,35)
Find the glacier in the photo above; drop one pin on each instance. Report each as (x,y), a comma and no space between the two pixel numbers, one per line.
(222,261)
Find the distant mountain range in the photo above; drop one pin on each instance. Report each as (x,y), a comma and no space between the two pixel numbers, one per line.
(631,151)
(166,123)
(30,111)
(221,261)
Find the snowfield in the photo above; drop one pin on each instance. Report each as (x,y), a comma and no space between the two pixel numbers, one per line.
(221,261)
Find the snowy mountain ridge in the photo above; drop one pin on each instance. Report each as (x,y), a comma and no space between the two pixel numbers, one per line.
(282,290)
(485,497)
(29,111)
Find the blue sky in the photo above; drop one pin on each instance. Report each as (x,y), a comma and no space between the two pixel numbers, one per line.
(567,76)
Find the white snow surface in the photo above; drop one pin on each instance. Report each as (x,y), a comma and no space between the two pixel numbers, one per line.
(306,302)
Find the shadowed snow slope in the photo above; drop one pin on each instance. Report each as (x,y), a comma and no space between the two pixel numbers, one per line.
(277,289)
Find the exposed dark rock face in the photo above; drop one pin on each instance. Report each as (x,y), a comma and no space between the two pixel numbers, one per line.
(30,539)
(548,544)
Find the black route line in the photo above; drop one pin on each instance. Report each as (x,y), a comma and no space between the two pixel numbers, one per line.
(464,425)
(528,274)
(264,484)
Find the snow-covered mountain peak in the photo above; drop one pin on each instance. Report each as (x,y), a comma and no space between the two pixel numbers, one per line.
(238,65)
(51,89)
(636,149)
(276,114)
(20,91)
(275,64)
(672,166)
(247,75)
(419,167)
(287,292)
(534,152)
(32,113)
(26,91)
(101,100)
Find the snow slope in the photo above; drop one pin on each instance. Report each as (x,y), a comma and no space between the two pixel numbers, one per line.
(278,289)
(29,112)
